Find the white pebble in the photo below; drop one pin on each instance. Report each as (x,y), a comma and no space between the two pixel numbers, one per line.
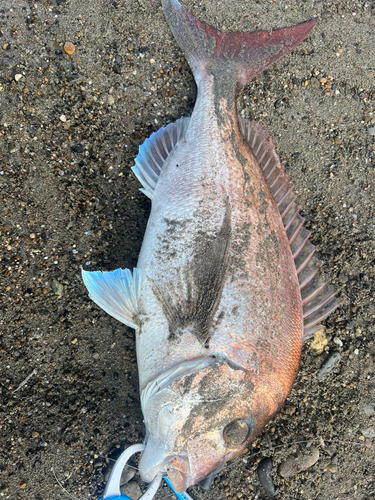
(370,409)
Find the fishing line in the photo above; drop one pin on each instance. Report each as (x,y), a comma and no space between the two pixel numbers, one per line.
(62,487)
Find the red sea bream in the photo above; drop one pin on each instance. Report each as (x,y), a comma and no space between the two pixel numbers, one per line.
(226,286)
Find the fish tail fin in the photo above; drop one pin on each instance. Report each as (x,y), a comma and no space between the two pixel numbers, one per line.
(248,54)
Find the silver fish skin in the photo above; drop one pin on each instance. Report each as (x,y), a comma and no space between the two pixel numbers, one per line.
(216,299)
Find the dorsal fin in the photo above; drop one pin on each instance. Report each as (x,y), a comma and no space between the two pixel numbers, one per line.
(318,299)
(154,151)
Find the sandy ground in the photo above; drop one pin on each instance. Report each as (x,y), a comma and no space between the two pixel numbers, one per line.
(70,127)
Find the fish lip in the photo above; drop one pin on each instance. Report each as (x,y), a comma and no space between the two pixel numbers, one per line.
(178,469)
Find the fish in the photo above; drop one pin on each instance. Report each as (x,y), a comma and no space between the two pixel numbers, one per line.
(227,284)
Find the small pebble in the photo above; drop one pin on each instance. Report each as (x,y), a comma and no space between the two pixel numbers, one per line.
(368,433)
(78,148)
(369,409)
(8,62)
(127,474)
(338,342)
(329,364)
(132,490)
(264,475)
(371,130)
(304,460)
(69,48)
(320,341)
(111,100)
(332,468)
(18,77)
(314,83)
(57,288)
(63,118)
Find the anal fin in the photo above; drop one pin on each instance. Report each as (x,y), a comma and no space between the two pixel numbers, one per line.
(318,298)
(116,292)
(154,152)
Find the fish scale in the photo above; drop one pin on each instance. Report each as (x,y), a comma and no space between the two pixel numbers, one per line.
(226,285)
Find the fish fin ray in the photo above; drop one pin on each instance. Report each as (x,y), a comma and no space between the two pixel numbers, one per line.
(309,332)
(247,53)
(154,152)
(318,298)
(117,292)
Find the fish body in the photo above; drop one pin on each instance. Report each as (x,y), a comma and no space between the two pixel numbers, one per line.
(226,287)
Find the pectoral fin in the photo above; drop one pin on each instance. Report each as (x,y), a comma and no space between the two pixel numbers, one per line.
(116,292)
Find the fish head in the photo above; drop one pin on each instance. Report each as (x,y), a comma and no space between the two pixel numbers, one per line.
(198,422)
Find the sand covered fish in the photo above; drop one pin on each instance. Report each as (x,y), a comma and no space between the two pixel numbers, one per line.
(226,286)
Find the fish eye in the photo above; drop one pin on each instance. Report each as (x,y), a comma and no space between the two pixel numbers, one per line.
(236,432)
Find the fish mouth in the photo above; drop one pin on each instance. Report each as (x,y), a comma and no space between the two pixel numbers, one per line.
(177,468)
(154,460)
(178,471)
